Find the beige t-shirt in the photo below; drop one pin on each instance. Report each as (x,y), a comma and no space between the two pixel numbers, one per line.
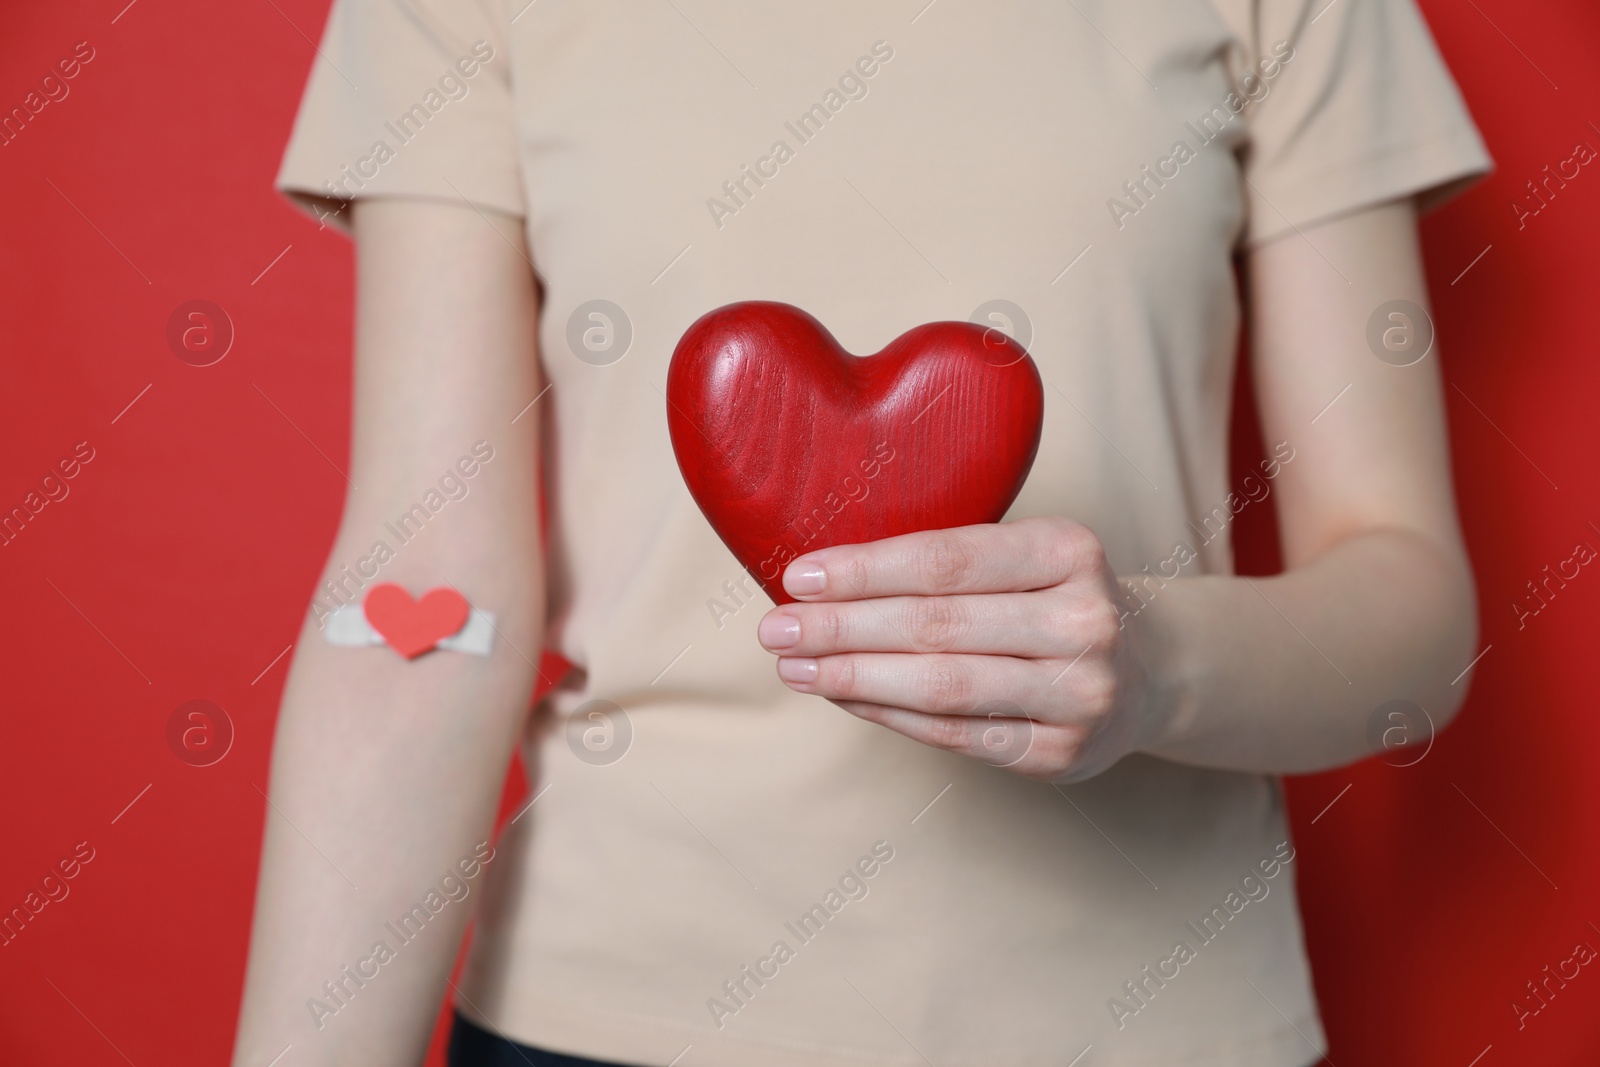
(729,872)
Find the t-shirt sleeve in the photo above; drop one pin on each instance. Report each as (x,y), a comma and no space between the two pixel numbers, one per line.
(1362,110)
(407,98)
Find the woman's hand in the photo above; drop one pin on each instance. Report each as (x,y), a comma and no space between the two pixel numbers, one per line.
(931,633)
(1003,642)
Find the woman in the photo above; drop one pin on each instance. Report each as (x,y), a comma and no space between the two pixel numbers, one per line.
(720,866)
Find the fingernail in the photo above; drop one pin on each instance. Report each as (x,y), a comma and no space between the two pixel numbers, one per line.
(779,631)
(804,579)
(797,669)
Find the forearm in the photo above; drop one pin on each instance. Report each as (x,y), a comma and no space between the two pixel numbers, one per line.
(1282,674)
(386,773)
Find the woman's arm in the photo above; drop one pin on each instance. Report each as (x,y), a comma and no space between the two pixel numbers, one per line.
(931,633)
(386,772)
(1376,578)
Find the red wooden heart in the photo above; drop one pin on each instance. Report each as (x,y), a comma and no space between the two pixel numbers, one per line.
(789,444)
(412,627)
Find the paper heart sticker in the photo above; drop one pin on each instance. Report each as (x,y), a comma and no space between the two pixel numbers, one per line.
(789,444)
(412,627)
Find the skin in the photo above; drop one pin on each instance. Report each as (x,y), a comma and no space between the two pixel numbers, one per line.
(1014,642)
(392,769)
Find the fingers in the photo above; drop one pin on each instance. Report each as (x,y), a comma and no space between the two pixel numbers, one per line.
(946,636)
(1028,554)
(1023,746)
(957,685)
(1029,625)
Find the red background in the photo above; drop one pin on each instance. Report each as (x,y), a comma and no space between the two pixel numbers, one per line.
(180,563)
